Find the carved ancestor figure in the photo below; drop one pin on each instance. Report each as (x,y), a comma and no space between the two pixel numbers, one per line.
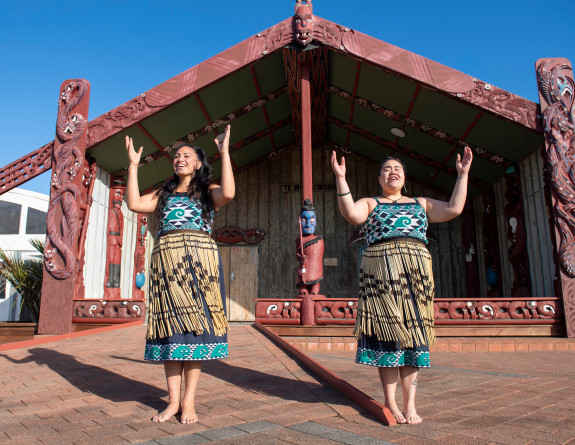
(558,89)
(114,234)
(62,218)
(303,22)
(309,248)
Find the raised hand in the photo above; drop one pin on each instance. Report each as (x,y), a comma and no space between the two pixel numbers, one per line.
(133,156)
(464,165)
(338,169)
(223,141)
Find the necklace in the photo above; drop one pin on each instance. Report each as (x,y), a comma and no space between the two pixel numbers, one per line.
(393,201)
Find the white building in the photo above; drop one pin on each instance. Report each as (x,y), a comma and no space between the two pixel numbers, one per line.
(22,218)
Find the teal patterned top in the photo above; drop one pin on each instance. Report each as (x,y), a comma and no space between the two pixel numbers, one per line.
(182,212)
(396,220)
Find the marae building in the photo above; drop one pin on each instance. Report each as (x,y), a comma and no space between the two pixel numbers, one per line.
(292,94)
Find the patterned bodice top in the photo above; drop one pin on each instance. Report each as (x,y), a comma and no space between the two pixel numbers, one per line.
(396,220)
(182,212)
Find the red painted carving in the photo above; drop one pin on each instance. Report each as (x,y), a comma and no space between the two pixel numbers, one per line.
(121,117)
(234,235)
(114,235)
(278,311)
(556,92)
(516,234)
(488,310)
(89,174)
(108,309)
(491,245)
(62,220)
(502,103)
(335,311)
(558,88)
(475,312)
(332,34)
(27,167)
(303,22)
(140,258)
(317,59)
(310,263)
(276,37)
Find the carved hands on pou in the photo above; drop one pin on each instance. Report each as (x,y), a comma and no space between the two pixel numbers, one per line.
(133,156)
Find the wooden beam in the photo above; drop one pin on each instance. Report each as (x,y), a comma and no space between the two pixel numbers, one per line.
(408,122)
(402,150)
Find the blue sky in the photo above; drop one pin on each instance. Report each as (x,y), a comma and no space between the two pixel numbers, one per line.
(125,47)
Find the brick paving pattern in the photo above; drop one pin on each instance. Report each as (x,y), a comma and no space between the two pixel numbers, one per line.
(97,389)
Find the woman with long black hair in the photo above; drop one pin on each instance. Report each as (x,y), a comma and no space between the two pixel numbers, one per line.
(186,319)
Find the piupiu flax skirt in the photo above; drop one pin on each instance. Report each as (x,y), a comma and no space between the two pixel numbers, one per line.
(394,324)
(187,320)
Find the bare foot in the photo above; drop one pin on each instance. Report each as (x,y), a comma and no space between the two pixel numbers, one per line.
(167,414)
(189,414)
(411,416)
(397,415)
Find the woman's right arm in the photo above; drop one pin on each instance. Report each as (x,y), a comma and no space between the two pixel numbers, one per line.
(137,203)
(354,212)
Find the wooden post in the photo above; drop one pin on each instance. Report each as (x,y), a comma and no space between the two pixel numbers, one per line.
(63,218)
(307,304)
(306,141)
(556,94)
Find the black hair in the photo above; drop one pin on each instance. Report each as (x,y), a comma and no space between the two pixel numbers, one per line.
(307,206)
(198,189)
(390,158)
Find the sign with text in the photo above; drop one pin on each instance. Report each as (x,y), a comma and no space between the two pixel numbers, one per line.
(320,187)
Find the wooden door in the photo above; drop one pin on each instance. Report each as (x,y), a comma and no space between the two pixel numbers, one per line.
(240,264)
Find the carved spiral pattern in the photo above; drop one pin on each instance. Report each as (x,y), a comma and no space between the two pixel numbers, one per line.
(558,88)
(67,161)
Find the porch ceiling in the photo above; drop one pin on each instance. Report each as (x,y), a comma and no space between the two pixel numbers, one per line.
(366,99)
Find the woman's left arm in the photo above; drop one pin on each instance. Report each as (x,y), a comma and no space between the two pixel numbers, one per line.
(224,193)
(441,211)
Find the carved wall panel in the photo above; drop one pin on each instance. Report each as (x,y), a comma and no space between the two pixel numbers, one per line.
(114,240)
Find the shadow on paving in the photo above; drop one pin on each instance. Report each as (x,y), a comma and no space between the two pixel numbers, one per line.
(93,379)
(255,381)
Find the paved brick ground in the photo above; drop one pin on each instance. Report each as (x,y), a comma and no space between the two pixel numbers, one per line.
(96,389)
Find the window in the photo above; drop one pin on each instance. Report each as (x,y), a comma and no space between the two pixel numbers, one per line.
(2,287)
(36,222)
(9,218)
